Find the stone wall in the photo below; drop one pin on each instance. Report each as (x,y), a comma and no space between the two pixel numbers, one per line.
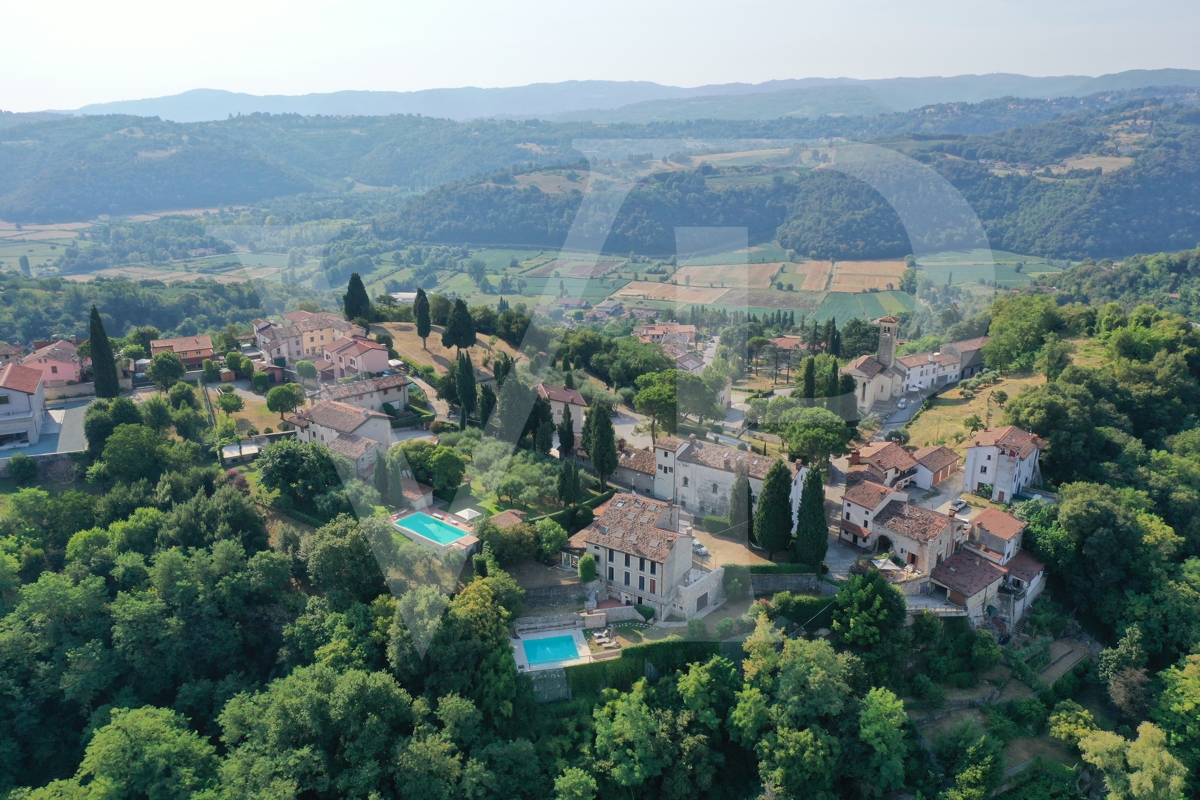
(48,464)
(770,584)
(555,595)
(77,390)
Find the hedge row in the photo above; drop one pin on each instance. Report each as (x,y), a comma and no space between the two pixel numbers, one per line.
(667,655)
(743,571)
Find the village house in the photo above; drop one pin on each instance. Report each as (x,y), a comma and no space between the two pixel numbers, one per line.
(371,393)
(935,464)
(353,355)
(361,452)
(11,352)
(970,355)
(192,350)
(303,336)
(992,576)
(894,464)
(328,420)
(699,475)
(653,334)
(609,308)
(635,470)
(58,362)
(22,405)
(1005,459)
(561,397)
(925,371)
(572,304)
(643,559)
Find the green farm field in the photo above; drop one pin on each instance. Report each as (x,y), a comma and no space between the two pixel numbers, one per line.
(972,265)
(756,254)
(844,306)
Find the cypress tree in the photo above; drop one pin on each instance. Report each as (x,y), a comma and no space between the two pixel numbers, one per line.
(464,379)
(812,529)
(566,433)
(487,403)
(421,312)
(381,476)
(355,301)
(104,366)
(832,380)
(773,519)
(739,501)
(808,378)
(603,451)
(568,483)
(460,327)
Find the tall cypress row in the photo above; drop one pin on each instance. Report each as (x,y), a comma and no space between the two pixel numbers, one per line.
(104,366)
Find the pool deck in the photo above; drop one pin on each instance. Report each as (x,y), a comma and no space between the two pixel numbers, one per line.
(467,541)
(523,664)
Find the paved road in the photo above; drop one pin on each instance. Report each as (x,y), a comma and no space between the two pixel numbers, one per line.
(440,407)
(625,421)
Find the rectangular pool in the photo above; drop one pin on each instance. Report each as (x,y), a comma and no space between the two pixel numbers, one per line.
(550,648)
(427,527)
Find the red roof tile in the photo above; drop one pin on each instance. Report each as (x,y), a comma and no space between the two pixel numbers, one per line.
(20,379)
(561,394)
(935,457)
(867,494)
(967,573)
(997,523)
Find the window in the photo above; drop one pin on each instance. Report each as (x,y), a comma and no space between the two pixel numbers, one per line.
(627,559)
(610,573)
(847,515)
(983,470)
(652,586)
(641,565)
(5,399)
(714,488)
(653,569)
(685,481)
(626,578)
(989,458)
(612,555)
(54,370)
(641,583)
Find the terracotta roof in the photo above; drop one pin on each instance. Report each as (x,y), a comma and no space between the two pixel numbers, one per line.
(999,524)
(967,573)
(351,446)
(337,416)
(669,443)
(1023,566)
(1009,436)
(945,359)
(353,346)
(413,490)
(675,350)
(969,345)
(20,379)
(637,460)
(888,318)
(864,472)
(916,522)
(788,343)
(183,343)
(58,351)
(935,457)
(867,365)
(718,456)
(11,349)
(561,394)
(297,316)
(887,455)
(506,519)
(358,388)
(675,338)
(578,541)
(317,322)
(867,494)
(916,360)
(636,525)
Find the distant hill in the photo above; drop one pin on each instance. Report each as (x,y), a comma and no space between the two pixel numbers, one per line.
(10,118)
(644,101)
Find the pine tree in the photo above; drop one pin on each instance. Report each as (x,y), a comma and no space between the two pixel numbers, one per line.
(568,483)
(421,312)
(808,378)
(812,529)
(381,476)
(104,366)
(460,327)
(566,433)
(464,379)
(603,451)
(355,301)
(773,518)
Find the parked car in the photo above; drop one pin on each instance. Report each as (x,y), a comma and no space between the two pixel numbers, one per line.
(957,506)
(903,403)
(699,549)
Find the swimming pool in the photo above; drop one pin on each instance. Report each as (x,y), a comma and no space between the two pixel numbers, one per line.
(427,527)
(551,648)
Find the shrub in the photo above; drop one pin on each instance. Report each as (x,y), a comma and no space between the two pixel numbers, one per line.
(22,469)
(696,630)
(260,381)
(715,524)
(962,680)
(725,628)
(587,568)
(439,426)
(736,590)
(646,611)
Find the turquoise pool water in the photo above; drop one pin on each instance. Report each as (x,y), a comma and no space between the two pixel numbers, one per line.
(433,529)
(552,648)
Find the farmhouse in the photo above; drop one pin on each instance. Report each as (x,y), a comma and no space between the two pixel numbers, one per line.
(328,420)
(635,470)
(643,559)
(609,308)
(355,355)
(929,370)
(22,405)
(304,335)
(360,451)
(895,464)
(561,397)
(11,352)
(969,353)
(1004,458)
(192,350)
(58,362)
(572,303)
(699,475)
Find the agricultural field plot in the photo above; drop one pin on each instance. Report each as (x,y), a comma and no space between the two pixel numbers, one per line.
(773,299)
(750,276)
(815,275)
(176,275)
(553,183)
(665,291)
(1106,163)
(742,158)
(498,259)
(764,253)
(844,306)
(970,266)
(9,231)
(41,254)
(568,268)
(854,276)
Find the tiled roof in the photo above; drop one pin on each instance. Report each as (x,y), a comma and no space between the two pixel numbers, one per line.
(689,363)
(916,522)
(353,346)
(20,379)
(317,322)
(637,460)
(887,455)
(888,318)
(358,388)
(1024,566)
(58,351)
(337,416)
(183,343)
(11,349)
(946,359)
(864,472)
(718,456)
(967,573)
(636,525)
(997,523)
(969,345)
(297,316)
(675,350)
(561,394)
(669,443)
(935,457)
(916,360)
(506,519)
(788,343)
(867,365)
(413,490)
(351,446)
(867,494)
(1010,436)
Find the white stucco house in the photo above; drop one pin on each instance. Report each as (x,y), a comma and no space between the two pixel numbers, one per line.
(561,397)
(1004,458)
(22,404)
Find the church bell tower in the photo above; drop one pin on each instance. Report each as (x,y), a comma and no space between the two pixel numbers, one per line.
(888,328)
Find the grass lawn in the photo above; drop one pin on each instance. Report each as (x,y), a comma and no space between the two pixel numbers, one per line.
(255,413)
(945,416)
(408,344)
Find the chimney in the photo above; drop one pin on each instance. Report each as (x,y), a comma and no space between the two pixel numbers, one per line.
(728,464)
(932,356)
(855,457)
(692,438)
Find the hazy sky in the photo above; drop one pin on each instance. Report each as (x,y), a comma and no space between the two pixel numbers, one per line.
(65,53)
